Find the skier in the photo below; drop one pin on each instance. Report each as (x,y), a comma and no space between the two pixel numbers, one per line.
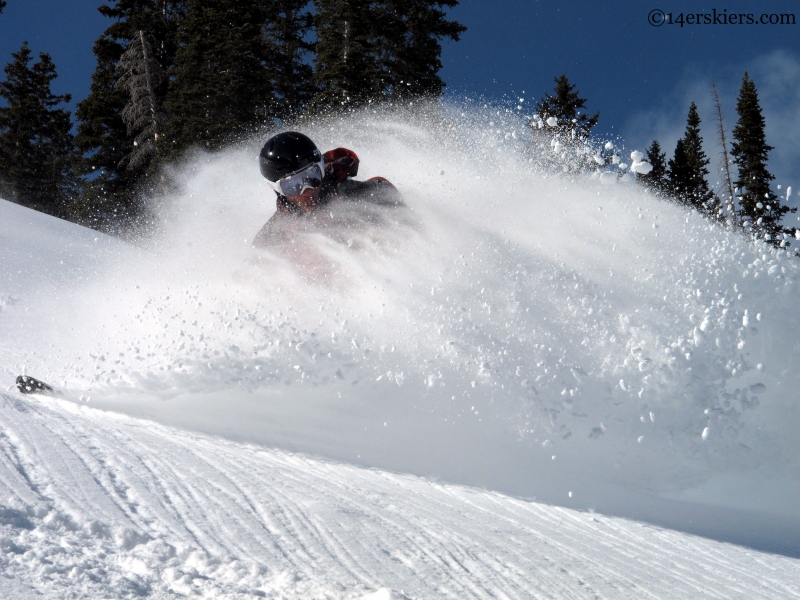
(306,180)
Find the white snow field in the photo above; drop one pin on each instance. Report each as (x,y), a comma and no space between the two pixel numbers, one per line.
(100,505)
(517,386)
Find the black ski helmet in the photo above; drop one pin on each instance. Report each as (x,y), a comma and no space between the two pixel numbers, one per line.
(287,153)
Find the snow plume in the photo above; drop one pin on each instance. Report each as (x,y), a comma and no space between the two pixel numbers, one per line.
(538,334)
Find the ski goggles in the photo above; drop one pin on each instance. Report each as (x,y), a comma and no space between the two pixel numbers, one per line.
(294,184)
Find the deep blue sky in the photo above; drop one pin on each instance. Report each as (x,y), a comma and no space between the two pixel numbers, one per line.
(641,78)
(617,59)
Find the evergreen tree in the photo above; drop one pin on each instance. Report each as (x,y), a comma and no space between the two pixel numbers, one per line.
(688,169)
(288,23)
(347,66)
(111,188)
(699,194)
(36,147)
(221,86)
(409,45)
(656,179)
(2,6)
(140,75)
(759,206)
(679,176)
(373,50)
(565,106)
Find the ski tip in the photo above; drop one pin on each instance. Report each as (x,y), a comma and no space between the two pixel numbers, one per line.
(29,385)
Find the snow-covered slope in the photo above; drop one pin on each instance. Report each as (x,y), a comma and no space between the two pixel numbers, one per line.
(545,337)
(101,505)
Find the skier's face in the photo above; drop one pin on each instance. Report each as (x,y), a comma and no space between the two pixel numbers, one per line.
(307,200)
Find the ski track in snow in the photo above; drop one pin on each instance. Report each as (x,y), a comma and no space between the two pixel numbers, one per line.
(101,505)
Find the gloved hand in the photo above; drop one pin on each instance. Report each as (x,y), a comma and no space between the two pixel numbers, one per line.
(341,163)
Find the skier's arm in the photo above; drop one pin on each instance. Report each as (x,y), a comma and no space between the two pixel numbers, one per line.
(341,165)
(377,190)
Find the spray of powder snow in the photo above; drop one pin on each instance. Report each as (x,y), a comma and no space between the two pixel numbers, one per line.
(532,333)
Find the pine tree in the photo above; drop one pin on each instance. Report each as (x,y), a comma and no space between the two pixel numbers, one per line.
(375,50)
(689,168)
(679,176)
(565,106)
(656,180)
(140,75)
(221,87)
(347,65)
(111,189)
(698,193)
(410,45)
(759,208)
(36,146)
(2,5)
(288,23)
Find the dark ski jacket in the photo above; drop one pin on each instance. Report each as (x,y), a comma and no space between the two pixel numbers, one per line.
(341,165)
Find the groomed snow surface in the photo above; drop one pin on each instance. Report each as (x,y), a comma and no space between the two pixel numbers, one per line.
(520,385)
(102,505)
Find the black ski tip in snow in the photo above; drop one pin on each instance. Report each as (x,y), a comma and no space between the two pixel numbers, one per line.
(29,385)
